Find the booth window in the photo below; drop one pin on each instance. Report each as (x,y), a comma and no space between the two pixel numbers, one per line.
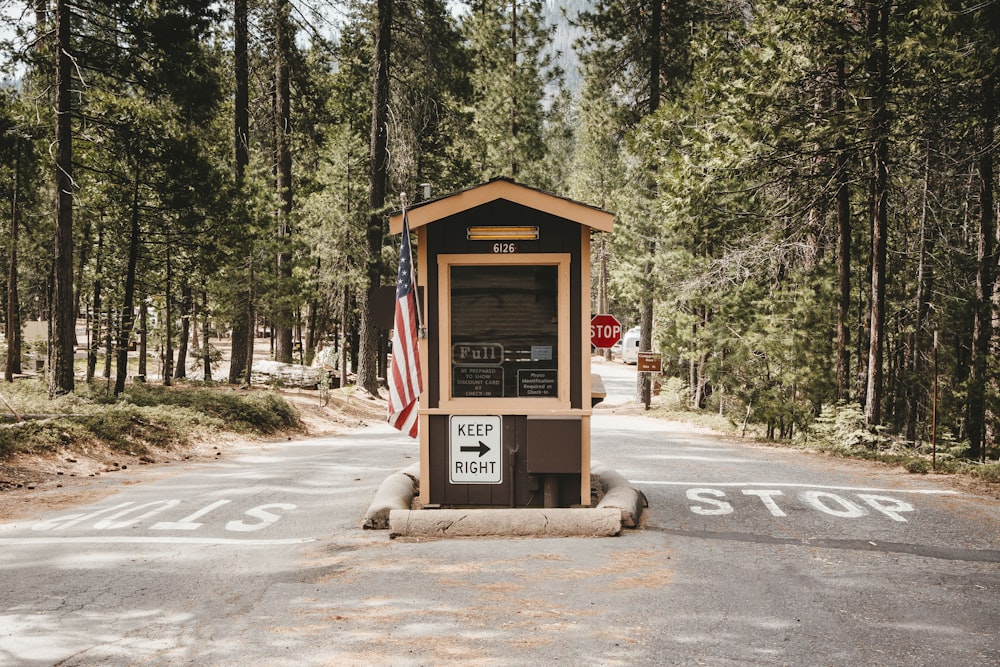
(504,331)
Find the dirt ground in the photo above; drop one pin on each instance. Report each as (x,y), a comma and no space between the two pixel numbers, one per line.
(67,477)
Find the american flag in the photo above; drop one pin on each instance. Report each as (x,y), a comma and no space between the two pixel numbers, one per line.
(405,383)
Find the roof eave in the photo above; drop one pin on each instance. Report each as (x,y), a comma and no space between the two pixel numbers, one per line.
(448,205)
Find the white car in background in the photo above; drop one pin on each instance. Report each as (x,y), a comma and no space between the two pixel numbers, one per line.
(630,346)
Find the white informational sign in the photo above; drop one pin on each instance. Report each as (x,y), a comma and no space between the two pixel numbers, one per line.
(474,450)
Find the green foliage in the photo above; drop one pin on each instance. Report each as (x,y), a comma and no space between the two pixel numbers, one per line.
(736,181)
(842,428)
(615,48)
(918,466)
(198,356)
(989,472)
(947,447)
(723,151)
(673,394)
(509,74)
(34,437)
(431,88)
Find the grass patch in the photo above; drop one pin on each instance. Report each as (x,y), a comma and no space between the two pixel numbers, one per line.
(700,418)
(243,412)
(988,472)
(142,419)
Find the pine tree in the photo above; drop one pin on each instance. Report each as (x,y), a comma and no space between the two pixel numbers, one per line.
(430,89)
(377,184)
(241,357)
(63,338)
(641,51)
(510,74)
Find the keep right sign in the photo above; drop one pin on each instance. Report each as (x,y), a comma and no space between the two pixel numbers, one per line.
(475,453)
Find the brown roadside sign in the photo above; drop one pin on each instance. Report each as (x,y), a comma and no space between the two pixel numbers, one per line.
(649,362)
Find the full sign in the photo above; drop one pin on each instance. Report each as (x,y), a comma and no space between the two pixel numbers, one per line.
(474,450)
(605,331)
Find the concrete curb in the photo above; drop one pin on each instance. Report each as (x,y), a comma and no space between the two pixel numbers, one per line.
(620,505)
(618,494)
(394,493)
(521,522)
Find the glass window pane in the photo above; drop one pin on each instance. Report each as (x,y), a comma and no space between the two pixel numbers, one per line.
(504,331)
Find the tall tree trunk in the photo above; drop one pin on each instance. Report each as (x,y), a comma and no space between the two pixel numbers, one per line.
(14,338)
(241,111)
(82,260)
(240,338)
(64,318)
(699,390)
(168,326)
(284,315)
(986,265)
(183,342)
(377,182)
(95,335)
(297,337)
(128,299)
(252,333)
(109,344)
(878,32)
(345,316)
(843,247)
(13,305)
(143,343)
(925,278)
(205,333)
(644,385)
(241,334)
(312,322)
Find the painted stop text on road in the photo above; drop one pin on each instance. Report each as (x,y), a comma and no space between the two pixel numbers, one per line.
(169,517)
(776,500)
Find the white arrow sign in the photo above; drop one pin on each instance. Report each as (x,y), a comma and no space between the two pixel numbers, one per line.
(475,452)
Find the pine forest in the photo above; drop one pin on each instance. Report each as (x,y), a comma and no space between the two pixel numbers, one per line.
(805,191)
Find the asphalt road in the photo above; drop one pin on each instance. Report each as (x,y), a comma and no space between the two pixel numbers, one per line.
(750,555)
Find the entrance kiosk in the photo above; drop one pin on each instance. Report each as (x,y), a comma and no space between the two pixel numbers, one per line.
(505,412)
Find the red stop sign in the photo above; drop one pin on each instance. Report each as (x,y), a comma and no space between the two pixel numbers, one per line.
(605,331)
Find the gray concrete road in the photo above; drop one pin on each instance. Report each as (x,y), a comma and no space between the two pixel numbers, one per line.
(749,555)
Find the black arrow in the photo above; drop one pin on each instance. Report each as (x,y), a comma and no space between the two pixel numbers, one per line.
(482,448)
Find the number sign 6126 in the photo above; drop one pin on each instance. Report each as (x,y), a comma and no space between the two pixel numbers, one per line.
(504,248)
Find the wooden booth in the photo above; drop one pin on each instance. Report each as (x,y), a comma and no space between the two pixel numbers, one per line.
(506,407)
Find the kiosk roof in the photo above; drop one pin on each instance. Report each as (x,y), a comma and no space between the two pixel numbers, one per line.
(442,207)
